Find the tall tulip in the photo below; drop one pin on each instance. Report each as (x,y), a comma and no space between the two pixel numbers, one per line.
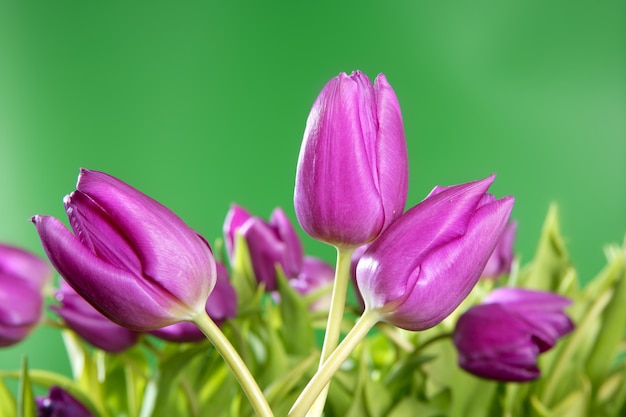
(130,257)
(22,276)
(501,338)
(352,174)
(421,268)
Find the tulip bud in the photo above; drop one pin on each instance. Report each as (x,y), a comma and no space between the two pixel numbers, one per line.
(500,261)
(352,175)
(423,266)
(90,324)
(502,338)
(22,276)
(268,244)
(59,403)
(221,305)
(130,257)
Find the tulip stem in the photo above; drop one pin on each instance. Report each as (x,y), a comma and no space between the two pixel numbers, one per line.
(236,364)
(335,317)
(320,380)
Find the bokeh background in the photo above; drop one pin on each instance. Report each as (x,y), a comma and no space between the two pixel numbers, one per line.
(201,104)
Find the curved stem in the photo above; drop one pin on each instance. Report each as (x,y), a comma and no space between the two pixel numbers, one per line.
(335,317)
(320,380)
(236,364)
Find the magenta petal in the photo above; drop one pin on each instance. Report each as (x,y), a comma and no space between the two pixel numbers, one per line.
(235,218)
(21,305)
(293,254)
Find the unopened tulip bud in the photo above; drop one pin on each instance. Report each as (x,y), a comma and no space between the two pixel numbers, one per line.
(130,257)
(352,174)
(501,259)
(421,268)
(502,338)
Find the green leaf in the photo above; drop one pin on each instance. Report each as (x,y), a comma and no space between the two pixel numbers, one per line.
(26,406)
(296,327)
(551,261)
(612,325)
(8,408)
(410,407)
(242,278)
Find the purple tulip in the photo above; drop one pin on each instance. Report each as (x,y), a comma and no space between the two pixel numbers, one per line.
(22,276)
(221,305)
(352,175)
(269,244)
(130,257)
(315,275)
(90,324)
(502,338)
(59,403)
(500,261)
(423,266)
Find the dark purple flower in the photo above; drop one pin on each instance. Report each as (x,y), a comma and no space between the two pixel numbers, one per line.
(352,175)
(502,338)
(221,305)
(22,277)
(425,264)
(59,403)
(90,324)
(130,257)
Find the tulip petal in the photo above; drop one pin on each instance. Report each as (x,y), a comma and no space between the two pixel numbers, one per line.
(293,253)
(391,152)
(20,263)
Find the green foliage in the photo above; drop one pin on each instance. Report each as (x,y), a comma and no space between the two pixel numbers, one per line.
(392,373)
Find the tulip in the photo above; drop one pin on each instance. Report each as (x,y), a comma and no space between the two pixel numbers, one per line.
(22,276)
(59,403)
(130,257)
(352,174)
(502,338)
(500,261)
(269,244)
(90,324)
(423,266)
(221,305)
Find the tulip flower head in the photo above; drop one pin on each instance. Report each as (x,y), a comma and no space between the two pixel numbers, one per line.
(315,275)
(423,266)
(502,338)
(59,403)
(130,257)
(22,276)
(90,324)
(352,174)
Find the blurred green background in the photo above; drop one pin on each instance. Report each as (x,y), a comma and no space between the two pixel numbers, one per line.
(200,104)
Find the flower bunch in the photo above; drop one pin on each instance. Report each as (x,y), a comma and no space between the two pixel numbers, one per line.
(442,321)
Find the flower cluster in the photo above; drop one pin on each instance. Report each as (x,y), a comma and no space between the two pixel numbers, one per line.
(157,323)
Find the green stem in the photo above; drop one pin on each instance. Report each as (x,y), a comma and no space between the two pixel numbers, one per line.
(320,380)
(236,364)
(335,317)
